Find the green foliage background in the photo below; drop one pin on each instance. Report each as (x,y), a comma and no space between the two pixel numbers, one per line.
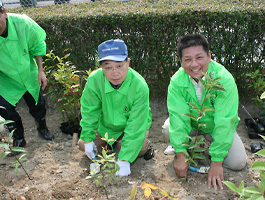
(151,29)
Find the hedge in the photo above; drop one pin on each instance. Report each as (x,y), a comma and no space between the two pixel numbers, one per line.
(151,29)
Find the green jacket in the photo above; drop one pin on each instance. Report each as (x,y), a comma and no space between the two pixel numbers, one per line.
(220,124)
(18,67)
(126,109)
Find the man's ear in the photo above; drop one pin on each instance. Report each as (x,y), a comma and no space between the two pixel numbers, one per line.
(180,61)
(210,54)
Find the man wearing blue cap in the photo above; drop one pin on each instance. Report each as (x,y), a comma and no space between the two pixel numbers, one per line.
(22,45)
(116,101)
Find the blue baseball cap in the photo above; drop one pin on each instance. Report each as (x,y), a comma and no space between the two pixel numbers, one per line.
(115,50)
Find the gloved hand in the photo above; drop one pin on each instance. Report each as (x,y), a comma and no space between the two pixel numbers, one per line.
(89,150)
(124,168)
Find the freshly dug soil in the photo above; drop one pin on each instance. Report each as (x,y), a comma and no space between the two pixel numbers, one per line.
(58,169)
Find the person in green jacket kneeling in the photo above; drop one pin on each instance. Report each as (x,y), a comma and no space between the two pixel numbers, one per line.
(226,149)
(116,101)
(22,45)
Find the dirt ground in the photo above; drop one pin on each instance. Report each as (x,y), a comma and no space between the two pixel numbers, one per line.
(58,170)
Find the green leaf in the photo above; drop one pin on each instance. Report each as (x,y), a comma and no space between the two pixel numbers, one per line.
(89,177)
(209,77)
(6,122)
(258,165)
(241,187)
(198,156)
(202,82)
(19,149)
(261,187)
(217,79)
(261,152)
(10,136)
(163,192)
(191,116)
(193,106)
(216,88)
(206,109)
(252,190)
(4,145)
(263,136)
(262,177)
(194,162)
(185,152)
(193,146)
(256,197)
(104,153)
(208,96)
(5,154)
(231,186)
(262,95)
(199,150)
(202,125)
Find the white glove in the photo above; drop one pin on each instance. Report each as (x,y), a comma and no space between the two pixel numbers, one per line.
(124,168)
(89,150)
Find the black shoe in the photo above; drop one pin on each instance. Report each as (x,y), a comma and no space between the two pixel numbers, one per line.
(17,143)
(43,130)
(44,133)
(18,135)
(149,154)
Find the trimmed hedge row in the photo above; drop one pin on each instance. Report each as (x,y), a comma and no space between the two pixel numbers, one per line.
(151,32)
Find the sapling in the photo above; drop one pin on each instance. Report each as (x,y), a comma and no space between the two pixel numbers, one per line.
(257,83)
(252,193)
(194,143)
(106,162)
(66,84)
(9,149)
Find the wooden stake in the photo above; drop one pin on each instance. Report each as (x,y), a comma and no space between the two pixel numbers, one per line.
(74,140)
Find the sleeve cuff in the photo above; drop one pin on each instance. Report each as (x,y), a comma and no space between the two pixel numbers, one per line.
(217,159)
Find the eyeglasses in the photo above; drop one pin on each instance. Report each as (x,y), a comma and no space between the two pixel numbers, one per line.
(119,67)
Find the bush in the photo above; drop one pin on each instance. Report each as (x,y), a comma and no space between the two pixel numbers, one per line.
(66,85)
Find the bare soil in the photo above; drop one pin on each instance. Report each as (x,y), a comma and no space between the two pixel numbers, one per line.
(58,169)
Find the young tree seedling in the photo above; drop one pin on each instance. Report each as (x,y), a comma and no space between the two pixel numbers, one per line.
(194,143)
(9,149)
(106,165)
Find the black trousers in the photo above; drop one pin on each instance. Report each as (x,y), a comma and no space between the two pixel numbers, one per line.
(37,111)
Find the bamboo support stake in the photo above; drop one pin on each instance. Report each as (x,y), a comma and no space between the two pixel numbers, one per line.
(74,140)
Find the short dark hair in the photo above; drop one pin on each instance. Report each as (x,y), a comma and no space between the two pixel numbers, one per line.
(2,9)
(192,40)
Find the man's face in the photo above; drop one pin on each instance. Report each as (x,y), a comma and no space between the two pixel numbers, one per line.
(195,61)
(3,17)
(114,71)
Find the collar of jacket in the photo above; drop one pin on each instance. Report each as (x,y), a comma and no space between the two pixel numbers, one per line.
(11,30)
(124,87)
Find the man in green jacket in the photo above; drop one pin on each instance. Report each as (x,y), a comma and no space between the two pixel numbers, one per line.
(22,45)
(226,147)
(116,101)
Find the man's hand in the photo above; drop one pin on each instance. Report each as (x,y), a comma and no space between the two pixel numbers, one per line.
(124,168)
(180,165)
(216,175)
(41,76)
(89,150)
(42,79)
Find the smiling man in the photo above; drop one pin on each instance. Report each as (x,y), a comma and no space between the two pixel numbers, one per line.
(116,101)
(226,147)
